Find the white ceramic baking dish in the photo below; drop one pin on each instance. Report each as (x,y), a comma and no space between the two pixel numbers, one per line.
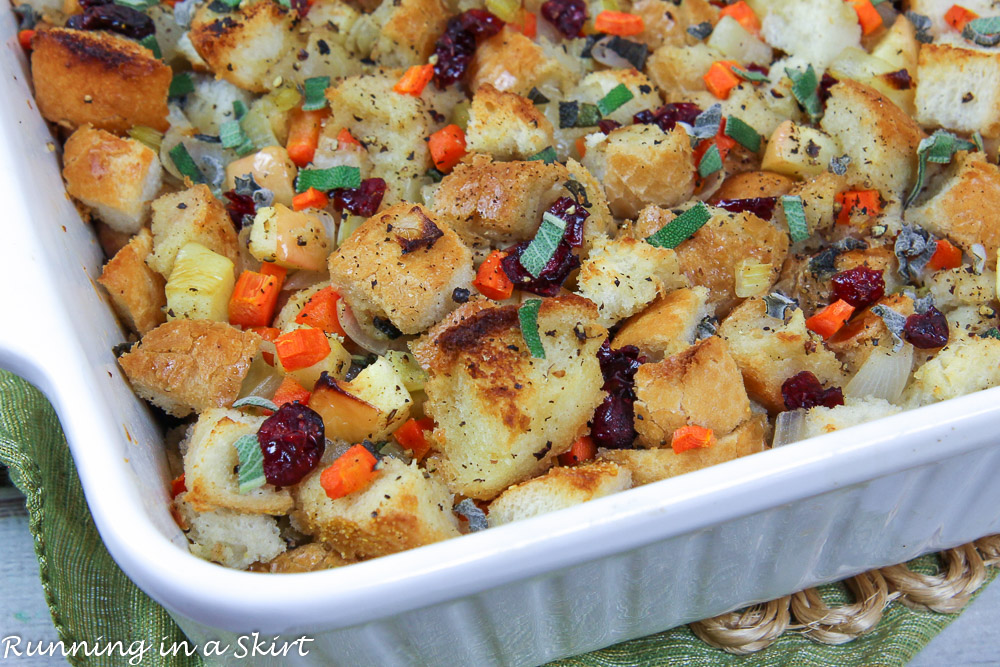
(558,585)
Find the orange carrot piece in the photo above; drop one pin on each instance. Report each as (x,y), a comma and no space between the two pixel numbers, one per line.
(447,146)
(290,391)
(691,437)
(178,486)
(311,198)
(829,320)
(582,450)
(254,299)
(320,312)
(346,140)
(353,471)
(581,146)
(720,79)
(301,348)
(868,16)
(414,80)
(272,269)
(946,256)
(411,436)
(865,201)
(24,39)
(303,135)
(743,14)
(958,16)
(527,25)
(491,280)
(619,23)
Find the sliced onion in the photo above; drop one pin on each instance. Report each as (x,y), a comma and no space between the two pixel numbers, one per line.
(354,331)
(261,379)
(604,55)
(883,375)
(303,279)
(789,427)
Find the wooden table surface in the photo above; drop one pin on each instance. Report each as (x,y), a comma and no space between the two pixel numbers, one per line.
(973,639)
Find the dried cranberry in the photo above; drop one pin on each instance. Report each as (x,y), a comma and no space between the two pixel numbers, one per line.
(568,16)
(456,46)
(481,23)
(292,441)
(552,276)
(804,391)
(762,207)
(927,330)
(613,424)
(574,221)
(87,4)
(364,200)
(825,84)
(301,7)
(116,18)
(760,69)
(667,116)
(239,207)
(607,126)
(860,286)
(900,79)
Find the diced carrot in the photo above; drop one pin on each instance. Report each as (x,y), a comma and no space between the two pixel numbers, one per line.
(720,79)
(411,436)
(311,198)
(301,348)
(346,140)
(868,16)
(414,80)
(691,437)
(581,146)
(178,486)
(582,450)
(290,391)
(724,142)
(829,320)
(269,334)
(447,146)
(303,135)
(353,471)
(320,312)
(946,256)
(491,280)
(24,39)
(865,201)
(527,25)
(958,16)
(254,299)
(272,269)
(743,14)
(619,23)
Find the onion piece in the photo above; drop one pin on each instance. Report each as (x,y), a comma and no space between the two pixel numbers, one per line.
(603,54)
(303,279)
(261,379)
(356,333)
(883,375)
(788,427)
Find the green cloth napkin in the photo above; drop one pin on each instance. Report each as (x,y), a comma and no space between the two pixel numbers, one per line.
(90,597)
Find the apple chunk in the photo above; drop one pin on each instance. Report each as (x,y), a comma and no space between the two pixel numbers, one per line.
(369,407)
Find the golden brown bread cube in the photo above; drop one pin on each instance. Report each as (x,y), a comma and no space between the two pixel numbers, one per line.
(559,488)
(854,342)
(409,30)
(652,465)
(210,465)
(187,366)
(401,509)
(749,184)
(702,385)
(98,78)
(959,89)
(506,125)
(769,351)
(511,61)
(311,557)
(964,208)
(668,23)
(502,415)
(116,177)
(678,70)
(190,216)
(402,264)
(136,290)
(819,198)
(668,326)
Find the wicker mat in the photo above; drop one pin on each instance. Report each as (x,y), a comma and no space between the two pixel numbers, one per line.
(890,614)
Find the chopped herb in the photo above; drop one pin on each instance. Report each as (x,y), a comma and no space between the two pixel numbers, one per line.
(149,41)
(795,217)
(711,161)
(823,264)
(706,328)
(537,98)
(232,136)
(984,31)
(977,139)
(239,109)
(914,247)
(219,7)
(992,332)
(744,135)
(634,52)
(706,124)
(543,246)
(251,463)
(387,328)
(778,304)
(588,44)
(938,148)
(681,228)
(578,114)
(180,85)
(578,191)
(978,252)
(700,31)
(435,175)
(546,155)
(527,315)
(805,86)
(894,322)
(616,97)
(314,91)
(838,165)
(325,180)
(255,402)
(138,5)
(26,17)
(923,26)
(394,451)
(185,163)
(475,516)
(749,75)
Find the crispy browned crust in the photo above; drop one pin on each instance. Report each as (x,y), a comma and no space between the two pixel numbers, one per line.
(311,557)
(103,169)
(98,78)
(749,184)
(510,61)
(662,328)
(190,365)
(136,290)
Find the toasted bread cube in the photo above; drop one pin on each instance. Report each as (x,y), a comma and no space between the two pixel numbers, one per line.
(668,25)
(136,291)
(960,368)
(750,184)
(813,30)
(593,87)
(402,264)
(819,199)
(233,539)
(640,165)
(369,407)
(409,30)
(115,177)
(624,275)
(879,137)
(506,125)
(190,365)
(559,488)
(190,216)
(244,47)
(652,465)
(899,47)
(954,288)
(511,61)
(965,206)
(271,168)
(701,385)
(311,557)
(799,151)
(855,63)
(292,239)
(210,463)
(958,89)
(98,78)
(502,415)
(678,70)
(403,508)
(854,411)
(769,351)
(668,326)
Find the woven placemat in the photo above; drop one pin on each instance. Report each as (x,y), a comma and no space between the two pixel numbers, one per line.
(879,618)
